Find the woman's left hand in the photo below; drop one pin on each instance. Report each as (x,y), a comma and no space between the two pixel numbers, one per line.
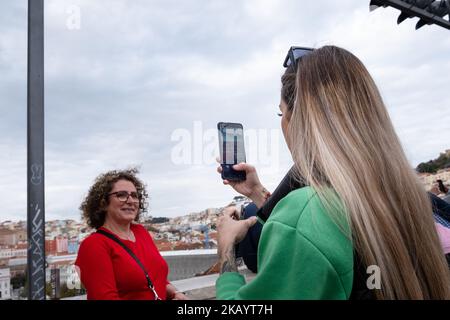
(231,231)
(174,294)
(180,296)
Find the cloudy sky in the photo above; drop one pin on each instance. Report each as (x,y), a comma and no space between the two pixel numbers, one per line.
(144,83)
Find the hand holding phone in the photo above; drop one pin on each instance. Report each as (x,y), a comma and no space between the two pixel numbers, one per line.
(241,176)
(232,150)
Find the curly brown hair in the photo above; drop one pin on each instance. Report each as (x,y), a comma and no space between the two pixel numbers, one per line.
(93,207)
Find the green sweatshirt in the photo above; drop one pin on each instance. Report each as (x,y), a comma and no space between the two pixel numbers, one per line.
(302,254)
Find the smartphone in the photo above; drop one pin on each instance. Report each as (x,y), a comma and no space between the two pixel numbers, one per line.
(232,151)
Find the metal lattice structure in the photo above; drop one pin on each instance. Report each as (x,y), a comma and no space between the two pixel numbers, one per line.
(428,11)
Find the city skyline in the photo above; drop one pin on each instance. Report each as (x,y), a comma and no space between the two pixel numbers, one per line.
(155,77)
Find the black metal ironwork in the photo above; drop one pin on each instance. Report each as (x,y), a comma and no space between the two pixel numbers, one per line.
(428,11)
(35,145)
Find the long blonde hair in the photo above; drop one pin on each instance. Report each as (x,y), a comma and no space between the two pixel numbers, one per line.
(341,137)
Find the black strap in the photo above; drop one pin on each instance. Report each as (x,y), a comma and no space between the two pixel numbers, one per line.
(113,237)
(288,184)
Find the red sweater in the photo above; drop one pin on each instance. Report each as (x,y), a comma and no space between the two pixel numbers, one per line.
(108,272)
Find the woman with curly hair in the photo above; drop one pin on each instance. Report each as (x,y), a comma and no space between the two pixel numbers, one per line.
(120,261)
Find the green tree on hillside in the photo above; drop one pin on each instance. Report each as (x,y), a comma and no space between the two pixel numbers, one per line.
(432,166)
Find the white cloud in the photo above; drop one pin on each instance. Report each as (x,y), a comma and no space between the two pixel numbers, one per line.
(135,71)
(13,177)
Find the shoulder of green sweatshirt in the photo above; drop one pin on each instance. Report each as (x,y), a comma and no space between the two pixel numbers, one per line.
(305,252)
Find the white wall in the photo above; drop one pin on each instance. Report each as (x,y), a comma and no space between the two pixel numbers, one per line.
(5,284)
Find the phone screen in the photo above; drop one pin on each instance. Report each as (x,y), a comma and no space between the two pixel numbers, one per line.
(232,151)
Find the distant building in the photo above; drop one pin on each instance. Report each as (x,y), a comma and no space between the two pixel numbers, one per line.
(5,253)
(163,245)
(72,246)
(12,237)
(187,246)
(8,253)
(50,246)
(212,211)
(61,244)
(5,284)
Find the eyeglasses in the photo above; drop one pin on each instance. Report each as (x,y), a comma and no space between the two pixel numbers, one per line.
(294,54)
(123,196)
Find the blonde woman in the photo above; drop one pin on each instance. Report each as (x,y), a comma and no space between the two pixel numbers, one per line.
(362,199)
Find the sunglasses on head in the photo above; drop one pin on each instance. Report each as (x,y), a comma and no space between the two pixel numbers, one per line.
(294,54)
